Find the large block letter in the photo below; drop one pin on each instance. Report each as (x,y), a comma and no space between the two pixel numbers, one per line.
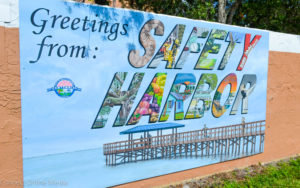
(176,97)
(147,42)
(244,93)
(169,49)
(217,109)
(247,49)
(232,38)
(192,46)
(210,48)
(196,110)
(153,93)
(116,97)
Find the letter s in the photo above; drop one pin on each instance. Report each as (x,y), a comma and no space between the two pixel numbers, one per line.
(148,43)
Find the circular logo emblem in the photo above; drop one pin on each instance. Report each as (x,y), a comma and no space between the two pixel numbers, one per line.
(64,87)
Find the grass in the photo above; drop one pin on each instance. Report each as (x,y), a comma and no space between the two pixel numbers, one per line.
(276,174)
(283,174)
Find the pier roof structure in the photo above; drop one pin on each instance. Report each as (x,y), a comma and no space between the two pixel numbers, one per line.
(152,127)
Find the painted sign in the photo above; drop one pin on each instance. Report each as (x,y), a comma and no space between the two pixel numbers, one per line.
(111,96)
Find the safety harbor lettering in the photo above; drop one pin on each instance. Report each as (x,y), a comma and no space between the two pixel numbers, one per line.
(151,102)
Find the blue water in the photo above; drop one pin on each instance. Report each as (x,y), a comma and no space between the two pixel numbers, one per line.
(87,169)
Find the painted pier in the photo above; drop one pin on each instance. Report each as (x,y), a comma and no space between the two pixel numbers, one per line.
(238,140)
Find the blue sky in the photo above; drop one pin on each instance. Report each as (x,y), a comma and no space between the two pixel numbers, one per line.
(52,124)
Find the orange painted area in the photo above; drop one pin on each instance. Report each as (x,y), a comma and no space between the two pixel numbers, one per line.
(230,79)
(11,170)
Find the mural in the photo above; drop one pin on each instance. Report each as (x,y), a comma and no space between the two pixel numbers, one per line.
(117,97)
(196,110)
(233,38)
(109,94)
(148,42)
(192,45)
(154,93)
(169,49)
(217,109)
(211,48)
(176,97)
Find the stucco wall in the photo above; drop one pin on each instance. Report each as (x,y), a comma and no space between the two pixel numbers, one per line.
(10,109)
(282,132)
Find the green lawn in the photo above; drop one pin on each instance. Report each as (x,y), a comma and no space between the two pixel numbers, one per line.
(283,174)
(280,174)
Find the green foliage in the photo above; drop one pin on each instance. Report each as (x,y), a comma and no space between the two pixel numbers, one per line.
(196,9)
(102,2)
(285,174)
(275,15)
(105,111)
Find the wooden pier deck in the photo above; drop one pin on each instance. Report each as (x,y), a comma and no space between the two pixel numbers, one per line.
(229,140)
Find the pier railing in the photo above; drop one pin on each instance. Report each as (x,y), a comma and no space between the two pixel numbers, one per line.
(206,134)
